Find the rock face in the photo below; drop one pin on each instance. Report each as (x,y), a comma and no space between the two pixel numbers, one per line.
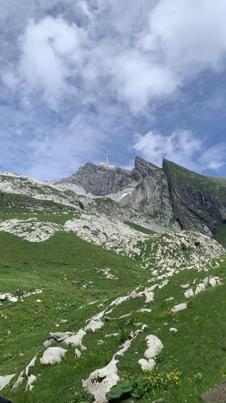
(151,193)
(99,180)
(143,188)
(171,194)
(198,201)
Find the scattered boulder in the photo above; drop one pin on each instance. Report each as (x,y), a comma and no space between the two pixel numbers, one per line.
(173,329)
(179,307)
(155,346)
(212,281)
(53,355)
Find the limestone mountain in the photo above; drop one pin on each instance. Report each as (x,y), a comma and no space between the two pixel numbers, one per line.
(172,194)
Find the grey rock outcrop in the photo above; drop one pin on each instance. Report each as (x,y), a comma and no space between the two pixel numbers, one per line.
(151,193)
(100,181)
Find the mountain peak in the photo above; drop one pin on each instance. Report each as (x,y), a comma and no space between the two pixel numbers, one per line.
(144,166)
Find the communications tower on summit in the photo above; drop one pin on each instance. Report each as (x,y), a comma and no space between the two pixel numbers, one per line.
(106,164)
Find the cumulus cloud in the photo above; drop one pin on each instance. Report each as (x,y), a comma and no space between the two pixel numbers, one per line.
(189,35)
(51,53)
(181,39)
(138,81)
(182,147)
(61,62)
(140,54)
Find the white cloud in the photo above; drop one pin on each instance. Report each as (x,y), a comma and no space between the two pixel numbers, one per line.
(190,35)
(73,57)
(156,47)
(138,81)
(182,147)
(51,53)
(139,54)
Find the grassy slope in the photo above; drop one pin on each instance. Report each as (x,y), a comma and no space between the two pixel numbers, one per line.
(61,266)
(56,266)
(139,228)
(220,236)
(211,185)
(14,204)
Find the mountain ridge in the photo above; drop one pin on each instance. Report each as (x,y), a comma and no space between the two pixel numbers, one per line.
(172,193)
(171,197)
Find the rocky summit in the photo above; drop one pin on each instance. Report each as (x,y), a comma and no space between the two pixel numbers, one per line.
(112,286)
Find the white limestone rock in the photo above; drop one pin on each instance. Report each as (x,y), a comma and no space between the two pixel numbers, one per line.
(5,380)
(189,293)
(31,230)
(155,346)
(77,353)
(179,307)
(107,232)
(102,380)
(53,355)
(185,286)
(147,365)
(76,339)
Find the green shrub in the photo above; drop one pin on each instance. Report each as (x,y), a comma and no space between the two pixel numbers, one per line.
(121,390)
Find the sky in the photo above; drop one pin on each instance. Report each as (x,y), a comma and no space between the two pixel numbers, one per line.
(80,79)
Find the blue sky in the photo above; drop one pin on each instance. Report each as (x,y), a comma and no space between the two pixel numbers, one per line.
(80,78)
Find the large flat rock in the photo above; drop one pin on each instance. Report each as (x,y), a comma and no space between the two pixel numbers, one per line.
(216,395)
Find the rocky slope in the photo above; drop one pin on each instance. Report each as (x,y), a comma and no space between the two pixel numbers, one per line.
(145,188)
(173,195)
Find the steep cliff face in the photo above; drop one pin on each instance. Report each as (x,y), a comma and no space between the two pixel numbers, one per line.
(151,193)
(198,201)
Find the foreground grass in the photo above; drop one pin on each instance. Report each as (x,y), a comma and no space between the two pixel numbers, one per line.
(62,266)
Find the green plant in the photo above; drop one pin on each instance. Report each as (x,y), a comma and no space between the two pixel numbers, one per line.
(146,383)
(121,390)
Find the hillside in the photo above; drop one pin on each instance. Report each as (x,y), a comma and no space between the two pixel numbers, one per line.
(99,302)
